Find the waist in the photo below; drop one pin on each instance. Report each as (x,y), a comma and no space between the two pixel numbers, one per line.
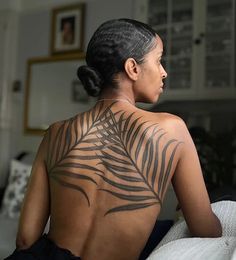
(48,246)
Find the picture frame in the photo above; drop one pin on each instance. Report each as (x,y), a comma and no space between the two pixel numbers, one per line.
(67,32)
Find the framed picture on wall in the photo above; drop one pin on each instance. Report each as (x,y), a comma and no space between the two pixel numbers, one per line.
(67,33)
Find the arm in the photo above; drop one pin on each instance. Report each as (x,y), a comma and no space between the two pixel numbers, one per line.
(191,191)
(36,206)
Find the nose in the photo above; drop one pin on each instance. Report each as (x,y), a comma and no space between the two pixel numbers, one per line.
(163,72)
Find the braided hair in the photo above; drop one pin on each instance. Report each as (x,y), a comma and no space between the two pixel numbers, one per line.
(110,46)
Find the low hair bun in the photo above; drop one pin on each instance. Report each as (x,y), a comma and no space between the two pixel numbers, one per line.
(90,79)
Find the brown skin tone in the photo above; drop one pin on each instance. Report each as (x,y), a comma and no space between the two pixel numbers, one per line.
(84,225)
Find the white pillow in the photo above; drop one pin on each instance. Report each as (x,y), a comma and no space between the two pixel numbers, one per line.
(15,190)
(178,244)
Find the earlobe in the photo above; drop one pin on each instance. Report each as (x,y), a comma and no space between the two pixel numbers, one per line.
(132,69)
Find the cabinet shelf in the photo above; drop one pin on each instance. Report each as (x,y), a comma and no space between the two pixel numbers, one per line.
(160,27)
(217,69)
(181,36)
(178,56)
(180,71)
(218,53)
(196,70)
(217,33)
(188,22)
(222,18)
(167,25)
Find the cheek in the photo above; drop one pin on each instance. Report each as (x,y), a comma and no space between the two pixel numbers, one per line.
(157,75)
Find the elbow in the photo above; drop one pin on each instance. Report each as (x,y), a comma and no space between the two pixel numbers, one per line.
(22,242)
(212,229)
(216,228)
(217,232)
(208,233)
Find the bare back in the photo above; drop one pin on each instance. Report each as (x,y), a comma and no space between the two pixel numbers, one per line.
(109,169)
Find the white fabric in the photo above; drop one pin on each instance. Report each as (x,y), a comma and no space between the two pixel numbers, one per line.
(15,190)
(234,255)
(197,248)
(178,245)
(8,229)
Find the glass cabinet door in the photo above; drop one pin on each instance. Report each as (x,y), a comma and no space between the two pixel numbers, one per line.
(199,45)
(219,44)
(180,44)
(173,21)
(158,18)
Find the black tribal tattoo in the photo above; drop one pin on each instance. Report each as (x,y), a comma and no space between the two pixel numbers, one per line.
(127,147)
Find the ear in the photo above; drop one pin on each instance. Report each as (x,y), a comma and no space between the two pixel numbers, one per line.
(132,69)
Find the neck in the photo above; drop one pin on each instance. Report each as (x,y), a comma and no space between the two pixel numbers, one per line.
(112,95)
(115,99)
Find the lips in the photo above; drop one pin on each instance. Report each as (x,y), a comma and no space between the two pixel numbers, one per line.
(162,86)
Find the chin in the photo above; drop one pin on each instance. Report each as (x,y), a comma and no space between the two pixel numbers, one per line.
(149,99)
(155,99)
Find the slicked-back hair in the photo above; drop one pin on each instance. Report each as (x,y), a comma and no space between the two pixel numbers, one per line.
(110,46)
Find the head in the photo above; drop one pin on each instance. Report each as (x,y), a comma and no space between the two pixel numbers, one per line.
(149,76)
(67,25)
(114,47)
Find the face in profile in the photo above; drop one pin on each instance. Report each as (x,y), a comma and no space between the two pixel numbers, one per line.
(150,83)
(67,32)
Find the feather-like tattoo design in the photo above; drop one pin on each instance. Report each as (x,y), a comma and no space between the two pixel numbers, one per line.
(126,150)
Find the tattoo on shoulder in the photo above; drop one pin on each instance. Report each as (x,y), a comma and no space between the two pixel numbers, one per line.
(129,154)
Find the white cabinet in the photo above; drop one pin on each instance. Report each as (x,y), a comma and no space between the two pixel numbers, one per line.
(219,47)
(199,45)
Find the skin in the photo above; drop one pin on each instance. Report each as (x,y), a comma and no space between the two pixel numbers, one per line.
(86,192)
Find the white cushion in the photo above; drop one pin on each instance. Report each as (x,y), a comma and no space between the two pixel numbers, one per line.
(8,230)
(234,255)
(196,248)
(178,244)
(15,190)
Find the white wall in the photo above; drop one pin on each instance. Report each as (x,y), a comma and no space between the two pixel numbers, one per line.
(34,40)
(10,4)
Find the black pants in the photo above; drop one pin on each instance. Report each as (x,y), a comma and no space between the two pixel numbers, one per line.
(43,249)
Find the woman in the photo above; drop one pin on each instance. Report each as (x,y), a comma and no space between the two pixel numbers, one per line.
(102,175)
